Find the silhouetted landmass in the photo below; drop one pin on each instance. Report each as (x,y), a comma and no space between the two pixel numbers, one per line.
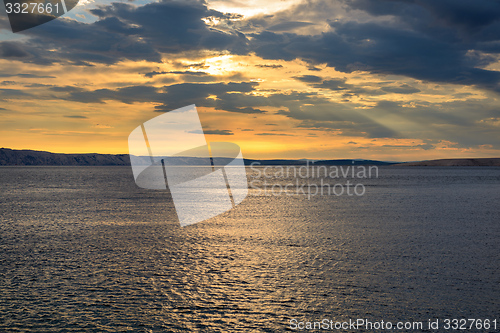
(317,162)
(33,157)
(457,162)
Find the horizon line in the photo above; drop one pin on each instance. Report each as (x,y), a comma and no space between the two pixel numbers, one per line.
(270,159)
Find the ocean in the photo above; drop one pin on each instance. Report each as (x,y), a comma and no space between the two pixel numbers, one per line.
(83,249)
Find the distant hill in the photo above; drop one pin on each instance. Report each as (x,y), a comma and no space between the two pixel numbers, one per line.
(317,162)
(33,157)
(457,162)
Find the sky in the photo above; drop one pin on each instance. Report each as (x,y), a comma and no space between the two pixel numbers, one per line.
(395,80)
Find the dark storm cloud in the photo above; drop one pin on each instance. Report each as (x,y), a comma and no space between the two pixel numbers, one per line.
(81,43)
(382,49)
(438,41)
(12,50)
(171,97)
(178,95)
(126,95)
(125,31)
(466,123)
(233,96)
(469,16)
(174,26)
(349,89)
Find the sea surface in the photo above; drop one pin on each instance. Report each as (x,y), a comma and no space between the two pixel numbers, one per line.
(83,249)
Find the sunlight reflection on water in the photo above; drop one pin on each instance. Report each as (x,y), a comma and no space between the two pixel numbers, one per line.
(84,249)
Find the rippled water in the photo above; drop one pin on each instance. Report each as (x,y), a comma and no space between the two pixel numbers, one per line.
(82,249)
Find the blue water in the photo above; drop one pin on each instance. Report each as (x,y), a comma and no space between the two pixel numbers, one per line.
(82,249)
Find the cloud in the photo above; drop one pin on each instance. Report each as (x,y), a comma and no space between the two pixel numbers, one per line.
(288,26)
(37,85)
(470,17)
(425,40)
(340,117)
(437,41)
(187,76)
(308,78)
(218,132)
(65,89)
(402,89)
(155,73)
(366,128)
(230,96)
(9,50)
(430,41)
(126,95)
(235,97)
(126,31)
(341,85)
(470,123)
(269,66)
(76,117)
(28,76)
(462,122)
(13,93)
(273,134)
(425,146)
(383,50)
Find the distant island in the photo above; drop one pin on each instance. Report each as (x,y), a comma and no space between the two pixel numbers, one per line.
(457,162)
(34,157)
(12,157)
